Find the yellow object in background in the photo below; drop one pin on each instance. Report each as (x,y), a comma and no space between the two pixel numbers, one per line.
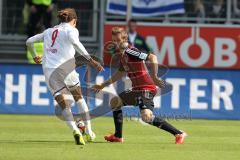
(39,50)
(42,2)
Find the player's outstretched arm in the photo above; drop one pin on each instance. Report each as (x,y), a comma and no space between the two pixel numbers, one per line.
(81,49)
(73,37)
(115,77)
(153,64)
(30,45)
(154,67)
(96,65)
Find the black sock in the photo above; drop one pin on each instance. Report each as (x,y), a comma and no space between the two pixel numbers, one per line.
(118,121)
(161,123)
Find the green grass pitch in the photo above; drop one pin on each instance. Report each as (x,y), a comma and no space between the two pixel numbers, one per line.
(26,137)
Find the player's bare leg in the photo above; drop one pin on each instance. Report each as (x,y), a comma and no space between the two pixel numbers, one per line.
(148,117)
(67,115)
(83,108)
(116,104)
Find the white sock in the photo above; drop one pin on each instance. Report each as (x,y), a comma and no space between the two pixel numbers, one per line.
(67,114)
(83,108)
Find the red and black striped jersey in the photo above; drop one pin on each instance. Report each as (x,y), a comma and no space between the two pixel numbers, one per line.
(132,62)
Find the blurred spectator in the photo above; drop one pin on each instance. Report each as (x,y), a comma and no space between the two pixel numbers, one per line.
(217,9)
(136,39)
(40,14)
(199,11)
(195,9)
(236,8)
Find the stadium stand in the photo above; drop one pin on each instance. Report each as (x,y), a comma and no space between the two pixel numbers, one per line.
(12,37)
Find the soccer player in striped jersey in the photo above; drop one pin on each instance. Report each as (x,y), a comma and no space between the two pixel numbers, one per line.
(143,87)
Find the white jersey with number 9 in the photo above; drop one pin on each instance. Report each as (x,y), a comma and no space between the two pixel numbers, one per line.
(60,43)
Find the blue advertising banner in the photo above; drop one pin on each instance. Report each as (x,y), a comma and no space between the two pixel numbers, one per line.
(196,93)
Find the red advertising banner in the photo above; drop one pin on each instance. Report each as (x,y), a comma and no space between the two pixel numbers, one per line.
(190,47)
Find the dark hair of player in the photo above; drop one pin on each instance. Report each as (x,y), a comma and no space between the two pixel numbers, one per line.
(67,15)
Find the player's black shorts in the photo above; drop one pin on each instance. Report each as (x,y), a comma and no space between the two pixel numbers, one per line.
(142,99)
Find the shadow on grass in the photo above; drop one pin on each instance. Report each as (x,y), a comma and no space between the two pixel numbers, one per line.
(34,141)
(45,141)
(98,142)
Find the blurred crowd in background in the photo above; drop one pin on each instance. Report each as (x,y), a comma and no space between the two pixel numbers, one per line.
(32,16)
(203,9)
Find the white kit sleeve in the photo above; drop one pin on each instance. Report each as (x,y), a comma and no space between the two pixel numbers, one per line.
(30,43)
(73,37)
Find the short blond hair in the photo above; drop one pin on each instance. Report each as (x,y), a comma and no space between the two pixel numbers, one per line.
(117,30)
(122,31)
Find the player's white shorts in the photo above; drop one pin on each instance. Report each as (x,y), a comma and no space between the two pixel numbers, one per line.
(57,80)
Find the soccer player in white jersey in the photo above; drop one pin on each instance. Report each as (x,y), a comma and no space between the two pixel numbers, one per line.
(60,44)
